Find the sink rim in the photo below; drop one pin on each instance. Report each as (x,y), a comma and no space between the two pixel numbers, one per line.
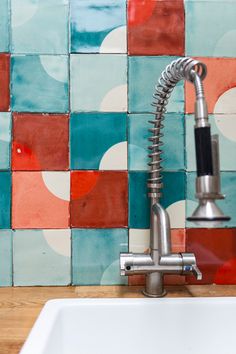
(37,339)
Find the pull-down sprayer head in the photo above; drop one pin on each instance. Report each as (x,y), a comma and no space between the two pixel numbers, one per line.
(207,159)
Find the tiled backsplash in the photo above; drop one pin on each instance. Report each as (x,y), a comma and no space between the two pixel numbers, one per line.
(74,105)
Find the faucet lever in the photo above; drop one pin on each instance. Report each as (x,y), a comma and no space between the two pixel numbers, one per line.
(196,272)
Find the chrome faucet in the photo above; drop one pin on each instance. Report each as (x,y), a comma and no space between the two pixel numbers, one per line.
(160,260)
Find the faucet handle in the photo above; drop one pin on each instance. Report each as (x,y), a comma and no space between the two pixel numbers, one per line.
(196,272)
(190,265)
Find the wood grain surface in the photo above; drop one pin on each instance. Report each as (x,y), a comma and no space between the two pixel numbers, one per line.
(19,307)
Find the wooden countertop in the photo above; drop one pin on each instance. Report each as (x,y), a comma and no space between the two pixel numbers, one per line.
(19,307)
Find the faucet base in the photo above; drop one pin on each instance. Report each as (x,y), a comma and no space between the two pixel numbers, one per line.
(154,295)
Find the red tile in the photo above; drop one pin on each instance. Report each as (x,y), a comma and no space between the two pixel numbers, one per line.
(40,200)
(99,199)
(178,245)
(215,250)
(220,78)
(4,82)
(40,142)
(156,27)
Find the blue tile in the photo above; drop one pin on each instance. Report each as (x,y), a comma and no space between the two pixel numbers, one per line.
(40,26)
(227,160)
(5,140)
(92,135)
(98,26)
(5,258)
(144,73)
(139,203)
(39,83)
(228,206)
(210,28)
(98,82)
(95,257)
(4,25)
(173,139)
(5,200)
(41,257)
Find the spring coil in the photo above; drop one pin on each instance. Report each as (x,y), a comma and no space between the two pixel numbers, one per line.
(182,68)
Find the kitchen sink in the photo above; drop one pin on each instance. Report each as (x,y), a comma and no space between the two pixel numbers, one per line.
(135,326)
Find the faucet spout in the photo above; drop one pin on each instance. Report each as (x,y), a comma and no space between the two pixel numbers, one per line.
(161,260)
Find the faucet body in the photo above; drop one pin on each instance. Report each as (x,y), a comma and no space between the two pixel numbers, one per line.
(160,259)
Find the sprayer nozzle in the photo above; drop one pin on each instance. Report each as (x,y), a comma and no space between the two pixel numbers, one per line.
(207,210)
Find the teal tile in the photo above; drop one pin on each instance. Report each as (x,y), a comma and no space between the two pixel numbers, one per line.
(144,72)
(5,258)
(5,200)
(98,82)
(227,160)
(173,139)
(39,83)
(228,206)
(40,26)
(210,28)
(4,25)
(92,135)
(95,257)
(139,203)
(5,140)
(41,257)
(98,26)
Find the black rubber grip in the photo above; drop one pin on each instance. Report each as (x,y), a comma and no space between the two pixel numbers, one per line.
(203,151)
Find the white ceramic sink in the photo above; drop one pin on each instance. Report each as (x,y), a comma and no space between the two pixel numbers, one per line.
(135,326)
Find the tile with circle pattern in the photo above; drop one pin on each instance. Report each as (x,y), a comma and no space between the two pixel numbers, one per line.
(101,145)
(98,26)
(47,260)
(217,19)
(40,26)
(99,199)
(40,142)
(39,83)
(215,251)
(156,27)
(95,259)
(40,199)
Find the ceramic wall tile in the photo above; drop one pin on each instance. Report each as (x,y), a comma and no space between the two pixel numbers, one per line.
(4,25)
(144,72)
(98,82)
(5,200)
(95,256)
(139,243)
(4,82)
(173,199)
(99,199)
(223,125)
(215,250)
(98,26)
(173,139)
(219,87)
(40,142)
(5,140)
(39,83)
(40,200)
(47,260)
(5,258)
(210,28)
(101,145)
(40,26)
(156,27)
(228,182)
